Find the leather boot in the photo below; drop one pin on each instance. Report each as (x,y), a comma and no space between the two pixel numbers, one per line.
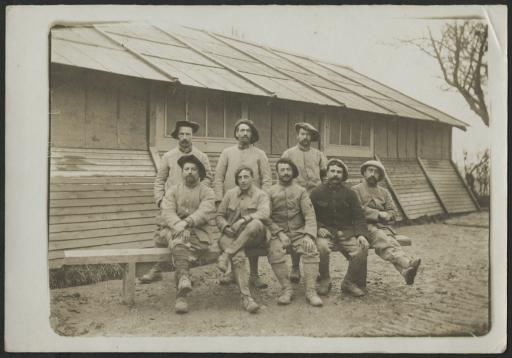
(310,273)
(324,283)
(242,279)
(154,274)
(255,279)
(223,262)
(281,272)
(351,288)
(410,272)
(295,274)
(227,279)
(181,305)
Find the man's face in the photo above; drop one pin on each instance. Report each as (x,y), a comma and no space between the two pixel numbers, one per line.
(244,134)
(304,137)
(244,179)
(334,174)
(372,175)
(190,173)
(284,173)
(185,136)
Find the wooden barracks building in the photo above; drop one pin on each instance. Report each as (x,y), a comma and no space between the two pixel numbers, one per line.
(117,90)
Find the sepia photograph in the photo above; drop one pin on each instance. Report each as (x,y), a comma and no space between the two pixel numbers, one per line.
(271,172)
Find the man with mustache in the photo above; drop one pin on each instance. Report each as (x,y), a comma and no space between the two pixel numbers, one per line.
(186,209)
(169,174)
(293,224)
(380,212)
(341,227)
(310,162)
(241,218)
(229,161)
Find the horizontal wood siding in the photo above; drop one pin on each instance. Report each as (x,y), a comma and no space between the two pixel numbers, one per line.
(448,184)
(100,199)
(411,185)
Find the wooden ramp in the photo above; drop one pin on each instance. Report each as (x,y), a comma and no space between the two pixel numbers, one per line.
(100,199)
(449,185)
(412,188)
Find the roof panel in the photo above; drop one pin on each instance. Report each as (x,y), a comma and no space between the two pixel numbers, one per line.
(141,30)
(356,102)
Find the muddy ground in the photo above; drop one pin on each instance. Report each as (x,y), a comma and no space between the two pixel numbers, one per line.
(450,297)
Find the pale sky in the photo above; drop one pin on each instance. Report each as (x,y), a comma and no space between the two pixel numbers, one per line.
(362,37)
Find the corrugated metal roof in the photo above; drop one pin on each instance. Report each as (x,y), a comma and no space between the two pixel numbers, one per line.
(197,58)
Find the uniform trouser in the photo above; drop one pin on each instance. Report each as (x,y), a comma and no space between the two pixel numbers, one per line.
(298,247)
(386,246)
(353,252)
(184,251)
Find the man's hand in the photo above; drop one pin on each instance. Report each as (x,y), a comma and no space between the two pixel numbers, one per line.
(237,225)
(384,216)
(309,244)
(324,233)
(284,238)
(229,231)
(180,226)
(186,234)
(361,240)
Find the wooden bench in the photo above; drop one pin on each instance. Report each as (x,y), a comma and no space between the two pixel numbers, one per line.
(136,262)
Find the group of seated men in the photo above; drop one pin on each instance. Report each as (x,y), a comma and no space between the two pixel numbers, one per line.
(308,213)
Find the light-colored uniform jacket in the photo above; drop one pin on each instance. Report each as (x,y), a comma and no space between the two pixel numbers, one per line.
(309,163)
(373,200)
(170,173)
(291,210)
(231,159)
(197,203)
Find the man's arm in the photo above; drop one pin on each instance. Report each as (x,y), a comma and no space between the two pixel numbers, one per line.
(206,208)
(371,214)
(169,207)
(266,174)
(389,206)
(160,180)
(209,176)
(323,161)
(308,212)
(220,174)
(360,228)
(220,216)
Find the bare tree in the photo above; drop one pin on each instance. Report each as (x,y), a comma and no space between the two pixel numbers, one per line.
(460,52)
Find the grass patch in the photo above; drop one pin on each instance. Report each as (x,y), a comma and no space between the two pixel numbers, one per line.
(69,276)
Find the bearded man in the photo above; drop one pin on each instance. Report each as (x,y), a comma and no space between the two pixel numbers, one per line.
(380,212)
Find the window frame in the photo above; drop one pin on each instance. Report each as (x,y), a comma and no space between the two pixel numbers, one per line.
(347,150)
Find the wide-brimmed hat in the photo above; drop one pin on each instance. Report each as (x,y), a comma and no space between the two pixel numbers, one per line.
(193,125)
(339,163)
(191,158)
(254,132)
(295,170)
(308,127)
(376,164)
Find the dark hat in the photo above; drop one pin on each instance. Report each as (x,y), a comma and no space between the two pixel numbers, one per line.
(193,125)
(339,163)
(309,128)
(254,132)
(374,163)
(295,171)
(191,158)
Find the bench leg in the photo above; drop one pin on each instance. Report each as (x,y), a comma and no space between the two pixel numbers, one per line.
(129,283)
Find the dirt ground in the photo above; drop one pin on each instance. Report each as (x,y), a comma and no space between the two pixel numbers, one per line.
(449,298)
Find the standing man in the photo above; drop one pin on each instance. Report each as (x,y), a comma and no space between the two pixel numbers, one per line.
(341,227)
(229,161)
(310,162)
(186,209)
(170,173)
(293,222)
(241,218)
(380,212)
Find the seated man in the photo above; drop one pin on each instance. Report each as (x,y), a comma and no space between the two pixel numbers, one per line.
(341,227)
(380,212)
(293,223)
(241,218)
(186,208)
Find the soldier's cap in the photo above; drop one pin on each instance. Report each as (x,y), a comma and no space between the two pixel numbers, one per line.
(376,164)
(193,125)
(308,127)
(240,168)
(295,170)
(254,132)
(191,158)
(339,163)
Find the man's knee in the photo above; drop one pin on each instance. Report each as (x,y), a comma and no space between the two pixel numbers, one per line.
(239,258)
(224,242)
(276,251)
(255,226)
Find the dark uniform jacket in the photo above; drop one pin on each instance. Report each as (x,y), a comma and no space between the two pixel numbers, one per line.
(339,210)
